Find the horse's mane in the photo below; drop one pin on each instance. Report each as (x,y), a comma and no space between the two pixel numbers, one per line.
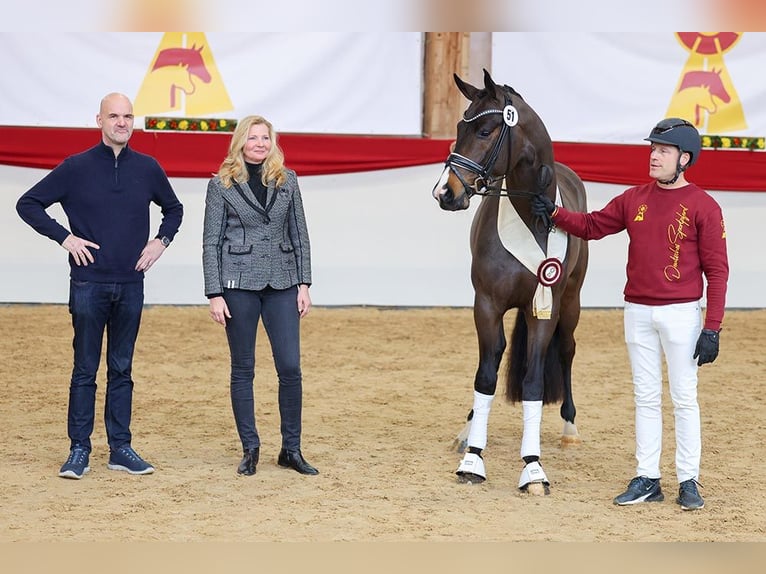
(513,92)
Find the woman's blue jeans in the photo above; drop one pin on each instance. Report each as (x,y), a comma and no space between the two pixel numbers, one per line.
(279,310)
(95,307)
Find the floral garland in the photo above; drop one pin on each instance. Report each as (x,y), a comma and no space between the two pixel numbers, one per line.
(733,142)
(158,124)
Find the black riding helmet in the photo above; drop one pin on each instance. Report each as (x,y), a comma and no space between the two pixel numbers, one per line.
(680,133)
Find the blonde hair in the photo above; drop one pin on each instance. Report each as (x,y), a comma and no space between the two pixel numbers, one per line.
(233,167)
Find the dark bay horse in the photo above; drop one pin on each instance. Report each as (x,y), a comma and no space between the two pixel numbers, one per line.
(518,262)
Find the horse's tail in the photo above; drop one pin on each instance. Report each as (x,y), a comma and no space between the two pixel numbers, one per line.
(553,375)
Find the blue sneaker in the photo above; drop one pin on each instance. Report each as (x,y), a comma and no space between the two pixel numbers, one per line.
(77,463)
(125,458)
(688,496)
(641,489)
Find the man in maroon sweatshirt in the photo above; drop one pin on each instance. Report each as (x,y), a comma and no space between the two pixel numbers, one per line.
(677,236)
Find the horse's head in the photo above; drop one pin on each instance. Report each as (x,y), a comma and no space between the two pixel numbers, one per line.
(499,137)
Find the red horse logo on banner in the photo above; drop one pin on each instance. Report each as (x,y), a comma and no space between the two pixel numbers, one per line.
(182,78)
(708,86)
(705,93)
(189,59)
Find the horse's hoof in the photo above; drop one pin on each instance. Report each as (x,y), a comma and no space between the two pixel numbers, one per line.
(570,436)
(469,478)
(570,440)
(471,469)
(533,480)
(537,489)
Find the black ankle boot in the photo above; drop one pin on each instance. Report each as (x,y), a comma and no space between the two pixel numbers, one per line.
(294,459)
(247,466)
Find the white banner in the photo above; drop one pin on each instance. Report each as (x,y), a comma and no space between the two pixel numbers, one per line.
(343,83)
(587,86)
(614,87)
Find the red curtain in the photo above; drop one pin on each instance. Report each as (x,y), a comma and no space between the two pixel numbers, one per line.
(717,169)
(200,154)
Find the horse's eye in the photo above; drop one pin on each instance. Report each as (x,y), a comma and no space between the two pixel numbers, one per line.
(484,133)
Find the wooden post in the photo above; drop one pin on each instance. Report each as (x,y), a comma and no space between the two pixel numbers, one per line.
(445,53)
(480,57)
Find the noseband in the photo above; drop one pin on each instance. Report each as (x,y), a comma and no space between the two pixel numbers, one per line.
(485,184)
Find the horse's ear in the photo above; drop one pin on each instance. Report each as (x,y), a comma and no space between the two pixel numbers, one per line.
(465,88)
(489,83)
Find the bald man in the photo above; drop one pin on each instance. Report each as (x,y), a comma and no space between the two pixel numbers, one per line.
(106,193)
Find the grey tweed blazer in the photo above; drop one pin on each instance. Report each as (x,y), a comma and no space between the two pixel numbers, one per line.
(248,246)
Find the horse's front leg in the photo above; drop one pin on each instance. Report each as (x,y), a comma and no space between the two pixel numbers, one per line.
(489,328)
(533,478)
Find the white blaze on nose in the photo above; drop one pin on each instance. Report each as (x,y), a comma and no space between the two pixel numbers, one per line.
(441,185)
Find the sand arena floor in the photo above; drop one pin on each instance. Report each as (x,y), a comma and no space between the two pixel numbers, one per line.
(385,392)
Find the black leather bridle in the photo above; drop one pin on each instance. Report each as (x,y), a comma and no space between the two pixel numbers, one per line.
(485,184)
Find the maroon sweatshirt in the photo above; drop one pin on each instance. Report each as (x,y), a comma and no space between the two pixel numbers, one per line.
(676,237)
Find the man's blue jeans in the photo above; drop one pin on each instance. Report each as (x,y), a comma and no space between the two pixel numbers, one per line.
(279,310)
(95,307)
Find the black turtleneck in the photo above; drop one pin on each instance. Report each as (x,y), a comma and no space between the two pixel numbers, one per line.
(255,183)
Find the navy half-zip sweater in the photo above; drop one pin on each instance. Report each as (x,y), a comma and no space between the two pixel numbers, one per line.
(106,201)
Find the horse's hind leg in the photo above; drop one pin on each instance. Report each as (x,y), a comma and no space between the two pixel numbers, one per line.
(569,434)
(568,322)
(489,326)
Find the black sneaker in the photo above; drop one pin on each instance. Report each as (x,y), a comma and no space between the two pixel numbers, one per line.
(77,463)
(641,489)
(688,497)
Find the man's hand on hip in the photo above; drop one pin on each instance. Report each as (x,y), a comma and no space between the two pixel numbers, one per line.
(78,247)
(153,250)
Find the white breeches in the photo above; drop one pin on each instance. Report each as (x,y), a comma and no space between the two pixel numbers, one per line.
(673,330)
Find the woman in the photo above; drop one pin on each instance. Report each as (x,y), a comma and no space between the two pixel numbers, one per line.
(257,264)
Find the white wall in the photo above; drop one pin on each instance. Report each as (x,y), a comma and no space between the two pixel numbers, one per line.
(378,238)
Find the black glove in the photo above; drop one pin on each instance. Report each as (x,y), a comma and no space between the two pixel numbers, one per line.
(707,347)
(542,206)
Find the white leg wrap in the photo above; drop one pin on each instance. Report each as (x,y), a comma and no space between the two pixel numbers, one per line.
(533,416)
(477,436)
(533,472)
(472,464)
